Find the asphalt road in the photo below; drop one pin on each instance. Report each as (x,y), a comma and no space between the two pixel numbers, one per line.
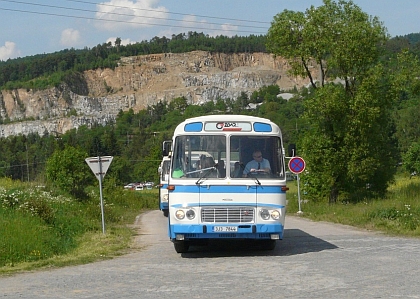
(314,260)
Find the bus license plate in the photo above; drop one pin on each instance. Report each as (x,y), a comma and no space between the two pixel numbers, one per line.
(225,229)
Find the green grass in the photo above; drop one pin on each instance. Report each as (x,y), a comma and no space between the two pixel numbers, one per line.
(41,228)
(397,214)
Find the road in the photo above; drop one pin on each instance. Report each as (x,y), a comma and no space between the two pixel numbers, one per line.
(314,260)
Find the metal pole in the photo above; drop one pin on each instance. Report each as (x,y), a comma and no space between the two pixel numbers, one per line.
(100,192)
(298,179)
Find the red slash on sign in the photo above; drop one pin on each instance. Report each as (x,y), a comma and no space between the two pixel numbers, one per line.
(297,165)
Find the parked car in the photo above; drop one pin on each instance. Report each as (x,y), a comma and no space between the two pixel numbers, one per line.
(290,176)
(129,186)
(139,188)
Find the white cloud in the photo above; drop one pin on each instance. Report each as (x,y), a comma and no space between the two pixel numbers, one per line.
(70,37)
(9,50)
(129,14)
(208,28)
(124,42)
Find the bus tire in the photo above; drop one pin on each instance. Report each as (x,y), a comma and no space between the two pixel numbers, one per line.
(165,212)
(268,244)
(181,246)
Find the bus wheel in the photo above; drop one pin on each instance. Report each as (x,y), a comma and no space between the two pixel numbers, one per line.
(165,213)
(268,244)
(181,246)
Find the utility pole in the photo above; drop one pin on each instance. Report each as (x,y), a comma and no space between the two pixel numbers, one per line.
(27,161)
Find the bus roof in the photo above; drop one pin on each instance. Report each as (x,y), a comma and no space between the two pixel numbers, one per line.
(227,123)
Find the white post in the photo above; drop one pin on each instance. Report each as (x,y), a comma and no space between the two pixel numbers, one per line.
(100,192)
(298,179)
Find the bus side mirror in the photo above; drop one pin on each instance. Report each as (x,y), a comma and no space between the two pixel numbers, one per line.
(166,147)
(292,150)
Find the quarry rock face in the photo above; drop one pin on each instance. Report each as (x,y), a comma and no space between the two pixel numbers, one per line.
(138,82)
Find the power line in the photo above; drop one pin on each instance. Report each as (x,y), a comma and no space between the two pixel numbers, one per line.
(119,21)
(174,13)
(122,14)
(130,15)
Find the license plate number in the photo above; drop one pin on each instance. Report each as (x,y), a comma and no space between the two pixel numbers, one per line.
(225,229)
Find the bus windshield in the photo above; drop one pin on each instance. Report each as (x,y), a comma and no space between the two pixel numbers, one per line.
(233,156)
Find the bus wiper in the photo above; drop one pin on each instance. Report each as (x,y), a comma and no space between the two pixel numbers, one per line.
(257,180)
(204,173)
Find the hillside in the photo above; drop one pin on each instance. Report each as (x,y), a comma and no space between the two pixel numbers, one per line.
(137,82)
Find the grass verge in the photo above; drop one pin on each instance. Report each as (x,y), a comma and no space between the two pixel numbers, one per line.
(398,214)
(42,229)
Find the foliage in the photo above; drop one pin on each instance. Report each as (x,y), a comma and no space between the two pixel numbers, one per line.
(348,146)
(40,227)
(398,213)
(67,170)
(339,37)
(412,158)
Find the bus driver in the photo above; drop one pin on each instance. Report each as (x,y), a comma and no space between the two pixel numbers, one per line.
(258,164)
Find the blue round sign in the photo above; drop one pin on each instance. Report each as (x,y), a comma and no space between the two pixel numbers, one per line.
(297,165)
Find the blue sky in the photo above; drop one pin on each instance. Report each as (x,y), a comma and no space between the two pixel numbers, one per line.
(30,27)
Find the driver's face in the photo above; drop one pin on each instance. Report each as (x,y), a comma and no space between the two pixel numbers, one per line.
(257,156)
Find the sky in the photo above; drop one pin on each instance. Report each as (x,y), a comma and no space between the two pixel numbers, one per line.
(30,27)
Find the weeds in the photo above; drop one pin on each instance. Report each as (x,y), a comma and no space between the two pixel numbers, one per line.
(40,227)
(397,214)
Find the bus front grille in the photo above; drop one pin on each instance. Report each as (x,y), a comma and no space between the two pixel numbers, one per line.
(227,215)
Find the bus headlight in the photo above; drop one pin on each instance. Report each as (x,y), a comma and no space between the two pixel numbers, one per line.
(265,214)
(190,214)
(180,214)
(275,214)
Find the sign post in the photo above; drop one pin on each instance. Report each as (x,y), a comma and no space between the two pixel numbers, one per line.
(297,165)
(99,166)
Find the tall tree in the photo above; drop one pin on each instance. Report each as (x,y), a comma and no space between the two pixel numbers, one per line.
(338,37)
(349,146)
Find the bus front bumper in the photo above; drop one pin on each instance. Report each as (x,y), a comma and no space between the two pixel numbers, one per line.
(214,231)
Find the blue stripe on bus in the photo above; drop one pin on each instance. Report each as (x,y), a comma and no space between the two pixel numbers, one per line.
(207,189)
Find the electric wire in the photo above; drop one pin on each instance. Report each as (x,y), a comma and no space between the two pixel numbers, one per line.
(125,15)
(131,15)
(174,13)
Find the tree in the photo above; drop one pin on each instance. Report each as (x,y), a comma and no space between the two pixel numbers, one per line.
(339,38)
(348,146)
(68,170)
(412,158)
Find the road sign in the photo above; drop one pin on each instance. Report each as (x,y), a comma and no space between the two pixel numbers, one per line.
(99,165)
(296,165)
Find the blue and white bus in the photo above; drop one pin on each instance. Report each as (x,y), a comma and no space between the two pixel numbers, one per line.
(215,193)
(163,184)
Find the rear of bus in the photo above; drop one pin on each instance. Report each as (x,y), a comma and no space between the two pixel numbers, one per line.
(214,196)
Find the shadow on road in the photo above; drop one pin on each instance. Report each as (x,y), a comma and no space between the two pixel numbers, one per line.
(295,242)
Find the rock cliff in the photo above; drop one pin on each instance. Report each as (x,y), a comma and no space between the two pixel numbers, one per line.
(138,82)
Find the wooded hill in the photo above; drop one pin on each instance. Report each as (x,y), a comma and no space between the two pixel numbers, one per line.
(46,70)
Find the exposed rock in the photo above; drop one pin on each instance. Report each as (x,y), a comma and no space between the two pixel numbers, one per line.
(138,82)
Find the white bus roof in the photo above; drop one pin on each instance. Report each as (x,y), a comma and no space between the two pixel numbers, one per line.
(227,122)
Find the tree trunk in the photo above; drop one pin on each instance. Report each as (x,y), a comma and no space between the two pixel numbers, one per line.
(333,195)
